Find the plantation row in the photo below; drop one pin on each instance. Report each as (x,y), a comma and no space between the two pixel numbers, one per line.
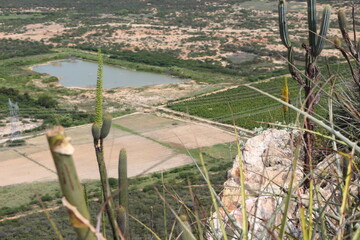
(242,104)
(248,108)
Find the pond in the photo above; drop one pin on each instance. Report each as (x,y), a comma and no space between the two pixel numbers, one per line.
(78,73)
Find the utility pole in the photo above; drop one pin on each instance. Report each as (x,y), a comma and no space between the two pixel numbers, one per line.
(14,113)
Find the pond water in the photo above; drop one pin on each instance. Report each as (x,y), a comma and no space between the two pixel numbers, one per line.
(78,73)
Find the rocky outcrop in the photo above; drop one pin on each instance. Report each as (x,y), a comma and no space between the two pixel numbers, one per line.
(267,166)
(267,163)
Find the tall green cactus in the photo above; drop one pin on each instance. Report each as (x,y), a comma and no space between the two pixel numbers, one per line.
(312,77)
(123,194)
(61,151)
(354,50)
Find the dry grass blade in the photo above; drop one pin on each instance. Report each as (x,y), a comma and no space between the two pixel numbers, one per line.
(288,197)
(237,230)
(146,227)
(46,212)
(345,194)
(207,179)
(74,210)
(184,226)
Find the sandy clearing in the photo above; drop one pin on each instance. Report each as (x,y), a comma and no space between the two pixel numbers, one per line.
(144,155)
(192,136)
(37,32)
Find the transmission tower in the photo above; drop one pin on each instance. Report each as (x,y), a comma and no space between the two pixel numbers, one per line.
(14,113)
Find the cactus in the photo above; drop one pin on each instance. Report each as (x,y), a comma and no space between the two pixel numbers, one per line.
(323,31)
(345,35)
(123,194)
(122,218)
(61,151)
(312,76)
(284,33)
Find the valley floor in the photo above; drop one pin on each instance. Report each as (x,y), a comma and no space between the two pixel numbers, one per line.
(153,144)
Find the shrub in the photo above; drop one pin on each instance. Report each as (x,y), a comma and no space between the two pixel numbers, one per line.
(47,101)
(16,143)
(46,198)
(113,182)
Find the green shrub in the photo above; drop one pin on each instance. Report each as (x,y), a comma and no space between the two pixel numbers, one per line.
(46,101)
(16,143)
(113,182)
(148,188)
(46,198)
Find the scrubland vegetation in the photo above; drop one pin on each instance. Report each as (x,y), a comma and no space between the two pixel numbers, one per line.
(331,124)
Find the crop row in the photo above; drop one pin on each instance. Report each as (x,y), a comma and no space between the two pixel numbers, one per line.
(241,104)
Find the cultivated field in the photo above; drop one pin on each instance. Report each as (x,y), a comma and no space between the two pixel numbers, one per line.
(152,143)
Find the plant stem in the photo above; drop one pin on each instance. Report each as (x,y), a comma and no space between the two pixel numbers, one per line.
(106,188)
(61,151)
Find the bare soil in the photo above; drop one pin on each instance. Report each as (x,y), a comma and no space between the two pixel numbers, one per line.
(146,153)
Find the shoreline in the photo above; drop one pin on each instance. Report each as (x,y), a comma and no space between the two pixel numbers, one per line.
(180,80)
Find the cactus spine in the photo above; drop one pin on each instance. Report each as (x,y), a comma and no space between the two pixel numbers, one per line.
(61,151)
(123,209)
(312,51)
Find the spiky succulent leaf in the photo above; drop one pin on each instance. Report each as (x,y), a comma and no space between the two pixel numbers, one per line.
(325,22)
(106,125)
(284,33)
